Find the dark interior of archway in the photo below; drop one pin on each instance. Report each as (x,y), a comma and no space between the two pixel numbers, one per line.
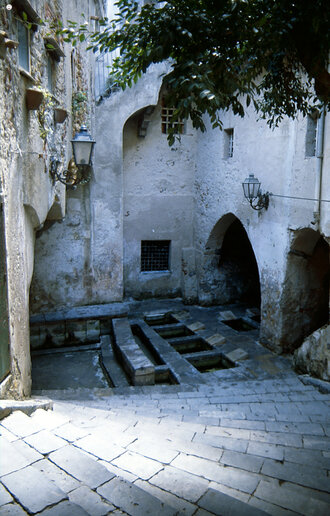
(305,304)
(238,264)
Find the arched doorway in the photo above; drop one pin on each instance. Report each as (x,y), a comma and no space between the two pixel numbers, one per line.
(230,270)
(305,300)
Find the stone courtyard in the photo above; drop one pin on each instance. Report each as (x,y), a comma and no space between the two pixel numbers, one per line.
(245,440)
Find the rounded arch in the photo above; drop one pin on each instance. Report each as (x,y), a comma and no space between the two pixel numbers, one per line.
(229,268)
(219,230)
(305,299)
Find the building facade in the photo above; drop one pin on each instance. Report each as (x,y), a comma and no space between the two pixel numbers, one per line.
(45,94)
(161,221)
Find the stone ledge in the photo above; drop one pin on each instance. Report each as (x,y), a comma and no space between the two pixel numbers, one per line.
(139,368)
(26,406)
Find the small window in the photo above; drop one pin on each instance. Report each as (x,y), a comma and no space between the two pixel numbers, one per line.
(24,46)
(310,143)
(168,123)
(155,255)
(228,143)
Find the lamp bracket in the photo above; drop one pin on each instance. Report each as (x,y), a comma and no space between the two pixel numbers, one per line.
(72,176)
(262,201)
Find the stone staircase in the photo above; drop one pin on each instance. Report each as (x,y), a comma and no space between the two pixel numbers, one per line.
(232,448)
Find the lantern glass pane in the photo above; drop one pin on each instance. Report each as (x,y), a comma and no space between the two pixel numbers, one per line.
(82,152)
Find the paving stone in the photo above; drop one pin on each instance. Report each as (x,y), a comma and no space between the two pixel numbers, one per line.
(11,459)
(234,493)
(48,419)
(312,407)
(181,315)
(64,481)
(118,472)
(242,461)
(203,512)
(270,508)
(180,483)
(277,438)
(226,315)
(140,466)
(80,466)
(197,449)
(5,497)
(196,326)
(316,443)
(133,500)
(290,499)
(27,451)
(12,510)
(6,434)
(226,443)
(65,509)
(305,456)
(295,428)
(237,433)
(102,448)
(246,424)
(70,432)
(90,501)
(302,475)
(266,450)
(32,490)
(293,418)
(181,506)
(153,451)
(231,477)
(288,408)
(20,424)
(219,503)
(237,355)
(45,442)
(216,340)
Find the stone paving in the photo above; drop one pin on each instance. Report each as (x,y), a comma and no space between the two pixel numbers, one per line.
(234,448)
(251,440)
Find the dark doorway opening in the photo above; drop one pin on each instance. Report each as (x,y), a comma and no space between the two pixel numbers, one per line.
(238,267)
(305,302)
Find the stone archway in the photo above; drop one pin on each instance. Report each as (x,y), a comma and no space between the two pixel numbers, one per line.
(229,271)
(305,299)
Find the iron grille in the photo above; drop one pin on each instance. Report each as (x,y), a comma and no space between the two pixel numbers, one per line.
(168,122)
(155,255)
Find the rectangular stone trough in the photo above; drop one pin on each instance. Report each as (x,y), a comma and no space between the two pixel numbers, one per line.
(137,365)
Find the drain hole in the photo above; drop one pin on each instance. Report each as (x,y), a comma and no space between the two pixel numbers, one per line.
(159,319)
(190,346)
(239,325)
(210,364)
(173,330)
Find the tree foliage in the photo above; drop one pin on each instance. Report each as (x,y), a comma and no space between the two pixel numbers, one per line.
(224,54)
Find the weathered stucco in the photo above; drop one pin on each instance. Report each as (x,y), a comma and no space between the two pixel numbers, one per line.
(28,140)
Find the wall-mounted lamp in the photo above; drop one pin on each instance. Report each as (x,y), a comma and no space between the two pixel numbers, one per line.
(79,170)
(252,192)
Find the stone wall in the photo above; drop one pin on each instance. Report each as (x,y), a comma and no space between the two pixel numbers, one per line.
(29,138)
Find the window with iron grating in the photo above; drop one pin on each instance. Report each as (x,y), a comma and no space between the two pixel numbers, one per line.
(155,255)
(168,123)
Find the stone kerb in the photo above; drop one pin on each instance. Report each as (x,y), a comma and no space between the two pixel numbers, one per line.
(136,364)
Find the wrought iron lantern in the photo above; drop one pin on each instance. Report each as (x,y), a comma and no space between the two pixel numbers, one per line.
(252,192)
(79,169)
